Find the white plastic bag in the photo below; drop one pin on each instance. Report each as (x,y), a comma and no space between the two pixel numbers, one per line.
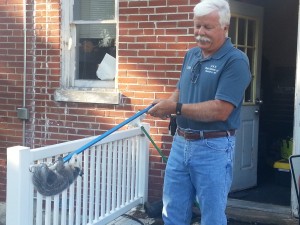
(107,68)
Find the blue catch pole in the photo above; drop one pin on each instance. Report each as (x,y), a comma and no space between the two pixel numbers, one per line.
(104,135)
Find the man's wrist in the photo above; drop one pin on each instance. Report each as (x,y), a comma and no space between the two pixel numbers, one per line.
(178,108)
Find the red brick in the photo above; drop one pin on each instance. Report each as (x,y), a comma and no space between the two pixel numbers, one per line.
(158,3)
(138,4)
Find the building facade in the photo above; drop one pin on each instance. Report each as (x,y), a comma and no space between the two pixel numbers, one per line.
(49,55)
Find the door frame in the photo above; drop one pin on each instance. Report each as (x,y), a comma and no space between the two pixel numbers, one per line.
(296,131)
(246,155)
(296,127)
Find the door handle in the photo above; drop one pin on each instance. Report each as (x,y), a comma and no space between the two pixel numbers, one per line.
(258,101)
(256,111)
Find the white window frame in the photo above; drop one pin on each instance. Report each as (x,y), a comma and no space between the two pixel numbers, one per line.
(73,90)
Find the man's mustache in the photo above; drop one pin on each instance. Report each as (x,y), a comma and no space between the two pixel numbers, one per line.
(200,38)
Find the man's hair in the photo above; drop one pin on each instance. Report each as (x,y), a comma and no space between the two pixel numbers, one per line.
(205,7)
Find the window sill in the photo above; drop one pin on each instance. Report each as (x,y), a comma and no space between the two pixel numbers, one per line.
(104,96)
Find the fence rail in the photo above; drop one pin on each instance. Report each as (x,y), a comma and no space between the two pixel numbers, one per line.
(115,180)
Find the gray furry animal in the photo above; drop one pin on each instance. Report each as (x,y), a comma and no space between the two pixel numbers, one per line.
(53,180)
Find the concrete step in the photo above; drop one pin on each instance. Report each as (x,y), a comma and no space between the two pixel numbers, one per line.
(246,211)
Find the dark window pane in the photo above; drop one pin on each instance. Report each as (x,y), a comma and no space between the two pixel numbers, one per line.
(241,32)
(232,30)
(251,32)
(91,53)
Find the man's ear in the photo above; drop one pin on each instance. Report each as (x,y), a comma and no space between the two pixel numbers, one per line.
(226,29)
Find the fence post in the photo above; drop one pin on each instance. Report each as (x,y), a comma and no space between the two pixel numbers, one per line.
(18,193)
(144,164)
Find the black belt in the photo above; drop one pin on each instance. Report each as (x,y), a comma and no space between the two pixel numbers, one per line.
(204,135)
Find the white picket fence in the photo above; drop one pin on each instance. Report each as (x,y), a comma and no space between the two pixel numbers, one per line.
(115,180)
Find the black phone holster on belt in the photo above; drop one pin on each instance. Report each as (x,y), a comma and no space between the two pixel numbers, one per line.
(172,125)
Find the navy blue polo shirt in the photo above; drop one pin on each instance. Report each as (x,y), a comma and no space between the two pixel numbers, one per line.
(224,75)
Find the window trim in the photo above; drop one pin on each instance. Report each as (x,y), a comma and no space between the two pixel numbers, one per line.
(73,90)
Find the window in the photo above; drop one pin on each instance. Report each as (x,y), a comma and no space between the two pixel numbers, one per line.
(243,34)
(89,37)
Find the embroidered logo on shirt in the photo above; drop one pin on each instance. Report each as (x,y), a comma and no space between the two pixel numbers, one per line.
(212,69)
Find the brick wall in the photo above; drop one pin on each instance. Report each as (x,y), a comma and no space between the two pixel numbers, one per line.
(154,35)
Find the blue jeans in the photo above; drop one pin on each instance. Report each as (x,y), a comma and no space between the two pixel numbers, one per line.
(202,170)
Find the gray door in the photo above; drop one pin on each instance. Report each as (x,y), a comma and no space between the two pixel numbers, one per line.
(245,32)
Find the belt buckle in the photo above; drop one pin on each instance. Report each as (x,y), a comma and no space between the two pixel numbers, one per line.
(201,136)
(185,135)
(189,136)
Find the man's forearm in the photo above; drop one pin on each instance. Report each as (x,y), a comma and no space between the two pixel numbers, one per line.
(175,96)
(214,110)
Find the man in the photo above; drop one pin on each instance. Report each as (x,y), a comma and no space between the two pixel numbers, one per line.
(207,101)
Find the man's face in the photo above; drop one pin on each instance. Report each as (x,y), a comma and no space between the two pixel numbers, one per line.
(208,32)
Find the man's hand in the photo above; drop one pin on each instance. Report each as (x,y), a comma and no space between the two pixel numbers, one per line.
(162,108)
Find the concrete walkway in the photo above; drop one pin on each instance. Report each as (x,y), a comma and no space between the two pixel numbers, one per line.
(238,213)
(236,216)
